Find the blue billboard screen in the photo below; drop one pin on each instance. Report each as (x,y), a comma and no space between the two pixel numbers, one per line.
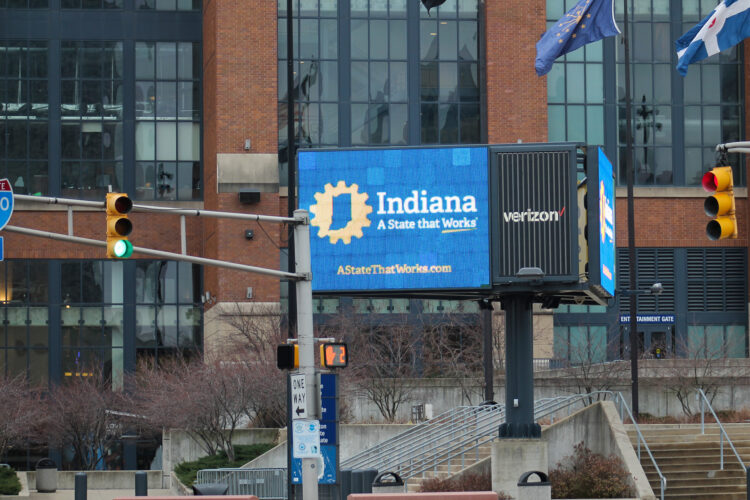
(606,238)
(397,219)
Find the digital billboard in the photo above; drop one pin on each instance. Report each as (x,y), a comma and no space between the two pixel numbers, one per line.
(605,191)
(397,219)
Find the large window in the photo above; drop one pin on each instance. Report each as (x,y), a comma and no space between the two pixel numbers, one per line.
(379,73)
(168,309)
(91,119)
(24,318)
(449,74)
(24,112)
(677,122)
(91,320)
(167,111)
(361,77)
(90,108)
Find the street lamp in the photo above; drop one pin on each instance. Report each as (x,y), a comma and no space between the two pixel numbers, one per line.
(654,289)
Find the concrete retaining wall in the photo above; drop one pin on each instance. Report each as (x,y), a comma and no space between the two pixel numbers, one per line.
(101,480)
(600,429)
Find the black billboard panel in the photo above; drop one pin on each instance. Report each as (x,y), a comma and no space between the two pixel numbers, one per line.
(534,214)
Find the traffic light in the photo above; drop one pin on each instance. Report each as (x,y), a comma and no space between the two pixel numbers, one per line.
(720,205)
(287,356)
(333,355)
(118,226)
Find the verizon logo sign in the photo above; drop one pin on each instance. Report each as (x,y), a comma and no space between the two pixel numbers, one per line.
(534,215)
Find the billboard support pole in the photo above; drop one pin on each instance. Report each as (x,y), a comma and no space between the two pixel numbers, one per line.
(489,368)
(519,369)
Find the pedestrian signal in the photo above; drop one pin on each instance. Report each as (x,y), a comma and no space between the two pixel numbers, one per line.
(287,356)
(333,355)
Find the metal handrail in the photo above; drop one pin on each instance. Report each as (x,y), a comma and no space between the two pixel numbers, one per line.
(427,436)
(722,432)
(624,405)
(427,445)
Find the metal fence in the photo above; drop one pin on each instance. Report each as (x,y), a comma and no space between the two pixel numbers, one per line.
(266,484)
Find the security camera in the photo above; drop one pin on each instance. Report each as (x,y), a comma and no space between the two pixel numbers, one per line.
(656,289)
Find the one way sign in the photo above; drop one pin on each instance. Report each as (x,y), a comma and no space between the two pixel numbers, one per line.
(299,396)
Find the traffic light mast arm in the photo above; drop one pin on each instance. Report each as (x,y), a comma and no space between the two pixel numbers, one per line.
(734,147)
(160,253)
(48,200)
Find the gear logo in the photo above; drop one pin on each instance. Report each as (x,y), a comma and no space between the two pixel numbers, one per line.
(323,211)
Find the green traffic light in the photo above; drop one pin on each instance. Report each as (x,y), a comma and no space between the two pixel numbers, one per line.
(123,249)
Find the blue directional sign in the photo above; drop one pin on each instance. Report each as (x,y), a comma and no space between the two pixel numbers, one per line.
(6,202)
(327,433)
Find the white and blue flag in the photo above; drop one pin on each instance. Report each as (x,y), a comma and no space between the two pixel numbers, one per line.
(726,26)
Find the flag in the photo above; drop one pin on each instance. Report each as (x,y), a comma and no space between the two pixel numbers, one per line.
(726,26)
(588,21)
(429,4)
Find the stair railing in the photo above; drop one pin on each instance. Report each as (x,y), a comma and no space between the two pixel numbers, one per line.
(617,396)
(701,396)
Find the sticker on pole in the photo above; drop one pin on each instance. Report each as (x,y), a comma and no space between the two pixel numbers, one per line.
(306,439)
(6,202)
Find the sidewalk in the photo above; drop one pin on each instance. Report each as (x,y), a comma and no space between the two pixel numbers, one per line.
(90,494)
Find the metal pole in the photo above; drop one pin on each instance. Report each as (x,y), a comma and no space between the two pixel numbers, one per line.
(291,149)
(519,370)
(489,373)
(141,484)
(157,253)
(305,341)
(80,486)
(631,224)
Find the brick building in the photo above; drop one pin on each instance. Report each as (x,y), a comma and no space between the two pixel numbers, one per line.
(182,103)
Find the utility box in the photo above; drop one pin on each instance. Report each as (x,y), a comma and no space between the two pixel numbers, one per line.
(538,490)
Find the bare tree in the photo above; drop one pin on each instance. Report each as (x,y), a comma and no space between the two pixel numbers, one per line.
(453,349)
(208,400)
(84,414)
(21,404)
(383,360)
(704,365)
(589,370)
(253,331)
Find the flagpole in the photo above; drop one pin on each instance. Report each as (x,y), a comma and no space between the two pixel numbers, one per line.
(633,326)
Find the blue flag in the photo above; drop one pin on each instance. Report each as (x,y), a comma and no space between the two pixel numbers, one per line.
(726,26)
(588,21)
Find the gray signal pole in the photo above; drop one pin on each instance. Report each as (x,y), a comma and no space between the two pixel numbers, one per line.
(305,341)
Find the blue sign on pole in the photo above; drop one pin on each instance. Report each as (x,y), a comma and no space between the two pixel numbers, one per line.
(6,202)
(407,219)
(2,251)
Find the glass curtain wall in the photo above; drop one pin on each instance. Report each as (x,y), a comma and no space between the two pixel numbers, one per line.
(91,109)
(24,115)
(677,122)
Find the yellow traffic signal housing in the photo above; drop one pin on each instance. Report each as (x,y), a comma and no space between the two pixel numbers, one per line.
(334,355)
(720,205)
(118,226)
(287,356)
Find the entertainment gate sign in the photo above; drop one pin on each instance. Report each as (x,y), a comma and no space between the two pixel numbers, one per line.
(397,219)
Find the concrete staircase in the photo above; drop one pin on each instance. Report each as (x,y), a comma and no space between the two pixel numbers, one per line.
(451,467)
(690,461)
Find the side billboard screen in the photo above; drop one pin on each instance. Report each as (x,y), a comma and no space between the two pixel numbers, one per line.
(605,241)
(397,219)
